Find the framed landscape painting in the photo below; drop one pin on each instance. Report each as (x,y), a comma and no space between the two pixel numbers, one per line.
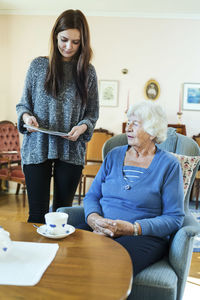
(108,92)
(191,96)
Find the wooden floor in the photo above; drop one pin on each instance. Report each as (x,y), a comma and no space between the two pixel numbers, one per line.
(11,207)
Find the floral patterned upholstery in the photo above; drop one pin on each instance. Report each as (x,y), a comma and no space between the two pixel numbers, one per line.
(188,164)
(9,139)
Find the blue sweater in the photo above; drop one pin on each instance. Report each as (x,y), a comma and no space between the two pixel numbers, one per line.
(155,200)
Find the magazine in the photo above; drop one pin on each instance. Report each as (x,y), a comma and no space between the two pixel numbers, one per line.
(44,130)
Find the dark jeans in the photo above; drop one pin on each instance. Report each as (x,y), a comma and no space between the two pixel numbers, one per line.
(38,177)
(144,250)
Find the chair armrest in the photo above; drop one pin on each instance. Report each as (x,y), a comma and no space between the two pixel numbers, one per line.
(76,214)
(7,156)
(180,253)
(4,160)
(181,248)
(189,220)
(8,152)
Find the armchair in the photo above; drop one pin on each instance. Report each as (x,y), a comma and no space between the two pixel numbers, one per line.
(10,159)
(165,279)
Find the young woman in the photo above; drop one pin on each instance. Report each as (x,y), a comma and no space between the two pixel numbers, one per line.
(60,94)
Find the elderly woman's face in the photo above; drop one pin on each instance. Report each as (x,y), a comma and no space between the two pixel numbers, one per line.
(135,133)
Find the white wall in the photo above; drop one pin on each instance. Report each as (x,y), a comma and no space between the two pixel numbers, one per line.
(167,50)
(5,69)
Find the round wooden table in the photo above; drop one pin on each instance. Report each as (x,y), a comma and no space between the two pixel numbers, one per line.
(87,266)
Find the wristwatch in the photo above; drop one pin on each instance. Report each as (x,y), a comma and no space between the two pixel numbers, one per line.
(136,229)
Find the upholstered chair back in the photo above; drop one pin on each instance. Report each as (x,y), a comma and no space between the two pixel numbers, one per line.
(175,143)
(9,139)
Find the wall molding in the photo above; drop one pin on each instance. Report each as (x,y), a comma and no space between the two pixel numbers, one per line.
(104,14)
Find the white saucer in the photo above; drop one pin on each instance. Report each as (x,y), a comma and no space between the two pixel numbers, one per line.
(43,231)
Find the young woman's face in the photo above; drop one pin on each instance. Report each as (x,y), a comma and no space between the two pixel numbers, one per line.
(68,43)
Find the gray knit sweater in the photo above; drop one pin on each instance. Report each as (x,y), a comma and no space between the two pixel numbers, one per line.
(56,114)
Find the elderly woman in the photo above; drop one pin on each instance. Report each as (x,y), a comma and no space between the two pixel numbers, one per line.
(137,196)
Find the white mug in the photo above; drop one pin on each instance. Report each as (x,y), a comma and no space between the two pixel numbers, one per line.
(56,222)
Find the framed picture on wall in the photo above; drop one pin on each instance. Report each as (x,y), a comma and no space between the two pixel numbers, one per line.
(191,96)
(152,90)
(108,92)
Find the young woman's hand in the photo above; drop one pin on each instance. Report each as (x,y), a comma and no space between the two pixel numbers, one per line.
(76,131)
(30,120)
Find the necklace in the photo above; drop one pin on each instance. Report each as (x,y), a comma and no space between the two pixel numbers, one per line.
(128,183)
(128,174)
(127,187)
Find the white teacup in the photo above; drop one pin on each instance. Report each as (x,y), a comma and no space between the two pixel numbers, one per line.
(56,222)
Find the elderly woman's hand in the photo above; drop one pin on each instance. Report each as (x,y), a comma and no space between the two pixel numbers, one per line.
(108,227)
(115,228)
(92,221)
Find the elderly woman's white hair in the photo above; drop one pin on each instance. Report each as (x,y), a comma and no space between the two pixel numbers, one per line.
(153,118)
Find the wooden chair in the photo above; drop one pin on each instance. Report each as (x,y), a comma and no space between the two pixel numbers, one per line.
(180,128)
(93,157)
(197,139)
(10,158)
(196,185)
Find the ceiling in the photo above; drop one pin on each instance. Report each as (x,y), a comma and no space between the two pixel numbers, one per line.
(124,8)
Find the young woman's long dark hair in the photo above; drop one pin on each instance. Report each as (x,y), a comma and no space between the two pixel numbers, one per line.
(69,19)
